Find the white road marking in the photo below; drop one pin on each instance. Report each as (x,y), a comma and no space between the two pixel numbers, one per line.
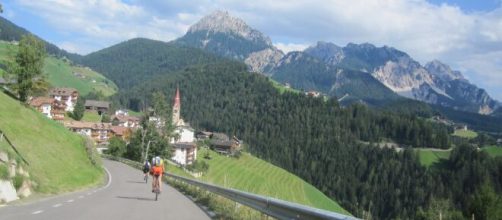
(37,212)
(57,205)
(89,193)
(109,178)
(71,200)
(81,197)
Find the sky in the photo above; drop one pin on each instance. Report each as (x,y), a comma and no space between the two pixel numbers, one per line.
(465,34)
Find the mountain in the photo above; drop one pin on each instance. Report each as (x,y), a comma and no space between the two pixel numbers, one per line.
(434,83)
(306,72)
(134,61)
(11,32)
(231,37)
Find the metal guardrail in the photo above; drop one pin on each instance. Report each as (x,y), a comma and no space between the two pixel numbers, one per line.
(273,207)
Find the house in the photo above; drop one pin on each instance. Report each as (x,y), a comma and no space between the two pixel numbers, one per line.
(185,153)
(314,94)
(121,132)
(99,106)
(67,96)
(125,121)
(80,127)
(229,147)
(49,107)
(461,127)
(184,134)
(159,122)
(219,136)
(43,104)
(203,135)
(99,132)
(123,112)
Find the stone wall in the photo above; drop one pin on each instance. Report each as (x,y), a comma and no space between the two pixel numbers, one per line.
(15,181)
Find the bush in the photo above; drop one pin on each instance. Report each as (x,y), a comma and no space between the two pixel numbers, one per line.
(4,172)
(198,166)
(117,147)
(18,181)
(91,151)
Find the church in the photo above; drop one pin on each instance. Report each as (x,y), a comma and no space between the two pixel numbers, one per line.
(183,142)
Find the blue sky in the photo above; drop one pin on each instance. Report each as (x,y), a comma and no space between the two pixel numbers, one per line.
(466,34)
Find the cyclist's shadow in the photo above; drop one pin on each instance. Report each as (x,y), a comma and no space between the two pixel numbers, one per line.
(136,198)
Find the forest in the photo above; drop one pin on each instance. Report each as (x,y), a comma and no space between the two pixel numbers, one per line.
(333,147)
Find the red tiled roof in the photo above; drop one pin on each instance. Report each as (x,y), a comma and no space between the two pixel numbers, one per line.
(125,118)
(38,101)
(120,131)
(62,91)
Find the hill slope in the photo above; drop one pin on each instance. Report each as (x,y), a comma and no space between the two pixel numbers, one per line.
(61,73)
(57,157)
(251,174)
(134,61)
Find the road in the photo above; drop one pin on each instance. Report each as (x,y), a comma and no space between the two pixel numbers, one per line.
(125,196)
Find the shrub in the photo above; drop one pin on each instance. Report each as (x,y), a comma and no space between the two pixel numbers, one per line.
(4,172)
(18,181)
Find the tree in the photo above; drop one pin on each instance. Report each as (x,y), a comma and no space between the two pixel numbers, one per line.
(78,111)
(28,65)
(117,147)
(486,204)
(105,118)
(160,106)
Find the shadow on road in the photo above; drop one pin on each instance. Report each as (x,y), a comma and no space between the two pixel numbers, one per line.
(136,198)
(131,181)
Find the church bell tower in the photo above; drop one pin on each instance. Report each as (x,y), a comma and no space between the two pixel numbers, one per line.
(176,107)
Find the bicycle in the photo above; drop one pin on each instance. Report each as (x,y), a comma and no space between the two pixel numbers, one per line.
(146,178)
(156,187)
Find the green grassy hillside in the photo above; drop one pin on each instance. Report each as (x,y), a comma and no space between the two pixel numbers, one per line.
(60,73)
(57,157)
(493,150)
(251,174)
(429,156)
(465,133)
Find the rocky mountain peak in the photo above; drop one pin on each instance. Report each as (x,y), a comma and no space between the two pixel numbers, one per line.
(327,52)
(442,71)
(222,22)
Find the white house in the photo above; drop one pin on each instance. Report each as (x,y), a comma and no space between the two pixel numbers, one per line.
(68,96)
(123,112)
(159,122)
(43,104)
(184,153)
(185,134)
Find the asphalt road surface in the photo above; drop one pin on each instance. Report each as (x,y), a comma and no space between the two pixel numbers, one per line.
(126,196)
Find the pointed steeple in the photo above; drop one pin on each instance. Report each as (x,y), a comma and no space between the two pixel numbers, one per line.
(176,107)
(177,101)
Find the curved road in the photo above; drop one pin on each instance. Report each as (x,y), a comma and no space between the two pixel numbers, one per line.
(125,196)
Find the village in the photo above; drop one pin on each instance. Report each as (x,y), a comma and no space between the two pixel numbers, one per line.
(61,101)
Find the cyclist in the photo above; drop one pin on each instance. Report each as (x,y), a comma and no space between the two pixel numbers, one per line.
(146,169)
(157,170)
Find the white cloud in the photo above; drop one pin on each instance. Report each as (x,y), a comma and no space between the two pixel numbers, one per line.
(466,40)
(288,47)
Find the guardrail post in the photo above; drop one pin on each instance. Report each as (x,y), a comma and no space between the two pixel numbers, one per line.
(264,216)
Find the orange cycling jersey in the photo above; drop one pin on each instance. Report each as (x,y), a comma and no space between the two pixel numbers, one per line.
(157,170)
